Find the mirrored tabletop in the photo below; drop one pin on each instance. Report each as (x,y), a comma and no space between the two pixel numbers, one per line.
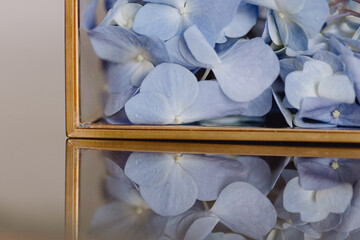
(175,190)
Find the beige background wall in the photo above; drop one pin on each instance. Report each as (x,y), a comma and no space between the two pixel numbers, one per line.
(32,142)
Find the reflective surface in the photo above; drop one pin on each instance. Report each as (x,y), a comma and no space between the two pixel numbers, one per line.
(161,191)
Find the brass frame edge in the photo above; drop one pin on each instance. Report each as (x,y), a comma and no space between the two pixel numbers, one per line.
(72,191)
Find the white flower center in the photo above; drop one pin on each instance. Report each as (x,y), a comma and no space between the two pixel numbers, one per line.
(127,24)
(182,11)
(281,15)
(139,210)
(177,158)
(334,165)
(335,114)
(140,58)
(178,119)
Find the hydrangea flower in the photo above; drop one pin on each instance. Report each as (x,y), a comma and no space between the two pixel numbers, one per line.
(171,183)
(314,206)
(323,173)
(127,215)
(166,19)
(293,23)
(176,96)
(134,56)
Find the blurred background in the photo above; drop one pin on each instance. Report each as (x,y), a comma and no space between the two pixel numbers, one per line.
(32,104)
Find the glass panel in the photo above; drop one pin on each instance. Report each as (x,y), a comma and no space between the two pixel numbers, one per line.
(153,195)
(220,64)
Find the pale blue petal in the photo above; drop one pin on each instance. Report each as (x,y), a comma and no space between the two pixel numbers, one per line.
(210,94)
(173,3)
(351,219)
(329,223)
(174,197)
(212,174)
(244,19)
(247,70)
(142,70)
(118,118)
(177,84)
(338,88)
(265,3)
(245,210)
(336,199)
(220,12)
(227,236)
(312,16)
(298,200)
(157,20)
(114,43)
(301,84)
(201,228)
(197,44)
(353,71)
(292,34)
(149,169)
(273,28)
(300,122)
(116,101)
(172,46)
(221,38)
(260,106)
(257,173)
(149,108)
(339,48)
(290,6)
(330,58)
(89,18)
(109,4)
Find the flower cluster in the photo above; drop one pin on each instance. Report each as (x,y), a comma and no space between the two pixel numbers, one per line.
(184,61)
(177,196)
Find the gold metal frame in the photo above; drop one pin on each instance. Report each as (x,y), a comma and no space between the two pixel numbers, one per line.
(76,129)
(74,146)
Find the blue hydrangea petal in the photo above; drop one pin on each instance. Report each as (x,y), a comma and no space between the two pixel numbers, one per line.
(173,197)
(298,200)
(338,88)
(273,28)
(198,47)
(122,14)
(149,169)
(288,116)
(265,3)
(260,106)
(327,224)
(290,6)
(227,236)
(287,65)
(211,174)
(244,19)
(114,43)
(353,71)
(292,34)
(142,70)
(109,4)
(301,122)
(210,94)
(301,84)
(118,118)
(172,46)
(173,3)
(157,20)
(244,209)
(340,196)
(116,101)
(350,221)
(312,16)
(221,13)
(330,58)
(339,48)
(149,108)
(176,83)
(201,228)
(247,70)
(89,18)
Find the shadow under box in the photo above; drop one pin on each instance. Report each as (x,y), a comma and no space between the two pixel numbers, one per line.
(174,190)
